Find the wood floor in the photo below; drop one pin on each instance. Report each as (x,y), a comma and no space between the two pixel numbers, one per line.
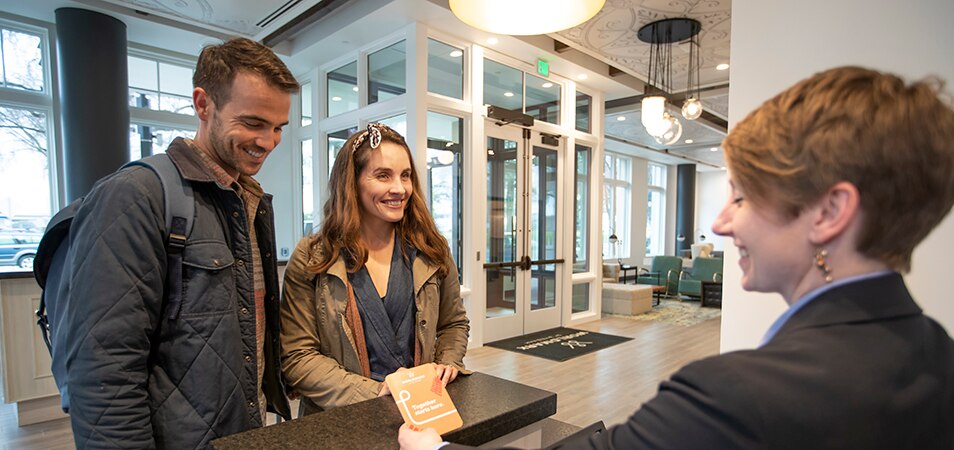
(607,385)
(610,384)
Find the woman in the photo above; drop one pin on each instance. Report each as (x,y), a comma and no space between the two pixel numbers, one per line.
(375,289)
(834,182)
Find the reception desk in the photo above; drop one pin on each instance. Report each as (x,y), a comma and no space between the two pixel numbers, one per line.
(493,410)
(27,379)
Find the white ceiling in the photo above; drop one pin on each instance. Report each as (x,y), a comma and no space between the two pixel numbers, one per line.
(607,40)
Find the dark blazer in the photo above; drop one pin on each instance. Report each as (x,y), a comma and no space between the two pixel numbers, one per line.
(860,367)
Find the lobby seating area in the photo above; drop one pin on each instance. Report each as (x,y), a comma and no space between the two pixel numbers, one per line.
(703,269)
(668,276)
(664,271)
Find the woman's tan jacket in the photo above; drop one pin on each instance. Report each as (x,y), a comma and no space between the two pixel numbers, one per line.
(320,356)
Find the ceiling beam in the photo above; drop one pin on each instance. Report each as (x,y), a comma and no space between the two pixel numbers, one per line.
(574,56)
(715,122)
(302,21)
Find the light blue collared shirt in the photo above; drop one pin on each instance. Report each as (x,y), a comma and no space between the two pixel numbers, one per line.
(809,297)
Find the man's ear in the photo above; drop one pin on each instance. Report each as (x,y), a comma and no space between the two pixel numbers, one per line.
(835,212)
(203,104)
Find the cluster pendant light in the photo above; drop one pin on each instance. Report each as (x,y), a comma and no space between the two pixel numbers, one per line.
(524,17)
(661,35)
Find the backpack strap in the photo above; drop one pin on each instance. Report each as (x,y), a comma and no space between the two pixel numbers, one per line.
(179,205)
(50,257)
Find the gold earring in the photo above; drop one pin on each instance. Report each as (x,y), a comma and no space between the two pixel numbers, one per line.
(822,264)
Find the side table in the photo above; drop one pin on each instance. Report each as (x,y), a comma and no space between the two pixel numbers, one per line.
(711,293)
(622,273)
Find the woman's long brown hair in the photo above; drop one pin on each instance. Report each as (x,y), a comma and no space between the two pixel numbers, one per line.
(340,231)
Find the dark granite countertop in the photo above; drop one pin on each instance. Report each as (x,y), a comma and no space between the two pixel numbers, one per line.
(489,406)
(15,274)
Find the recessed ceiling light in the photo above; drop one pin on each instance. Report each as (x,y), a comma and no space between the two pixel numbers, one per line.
(722,66)
(689,141)
(547,84)
(354,88)
(620,118)
(508,94)
(336,99)
(456,54)
(492,41)
(714,149)
(582,76)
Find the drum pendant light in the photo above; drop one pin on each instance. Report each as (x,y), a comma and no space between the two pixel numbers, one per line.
(524,17)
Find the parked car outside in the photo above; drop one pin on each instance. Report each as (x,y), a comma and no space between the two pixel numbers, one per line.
(18,249)
(28,224)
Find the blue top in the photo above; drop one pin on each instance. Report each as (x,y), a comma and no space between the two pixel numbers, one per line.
(389,321)
(812,295)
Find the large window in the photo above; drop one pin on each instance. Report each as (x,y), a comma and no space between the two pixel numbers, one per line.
(584,109)
(503,86)
(445,177)
(305,103)
(445,69)
(343,89)
(160,85)
(581,297)
(307,187)
(24,162)
(656,210)
(513,89)
(158,82)
(397,123)
(581,203)
(145,140)
(386,73)
(543,99)
(617,188)
(26,143)
(336,140)
(23,53)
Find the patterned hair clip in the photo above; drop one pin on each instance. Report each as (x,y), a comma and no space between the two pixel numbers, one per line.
(372,135)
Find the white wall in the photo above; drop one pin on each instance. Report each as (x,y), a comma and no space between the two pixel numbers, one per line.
(775,44)
(712,190)
(277,177)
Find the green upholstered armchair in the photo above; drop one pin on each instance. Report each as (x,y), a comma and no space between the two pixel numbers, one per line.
(665,272)
(703,269)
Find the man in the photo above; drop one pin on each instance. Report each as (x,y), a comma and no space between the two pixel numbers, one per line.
(145,373)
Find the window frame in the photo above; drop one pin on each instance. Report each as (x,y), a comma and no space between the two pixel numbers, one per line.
(42,101)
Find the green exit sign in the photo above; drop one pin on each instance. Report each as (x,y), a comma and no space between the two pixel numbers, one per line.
(543,67)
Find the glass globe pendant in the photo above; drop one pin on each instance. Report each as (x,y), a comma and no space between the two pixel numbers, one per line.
(672,133)
(692,109)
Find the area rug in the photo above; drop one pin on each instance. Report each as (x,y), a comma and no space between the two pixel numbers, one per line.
(675,312)
(559,344)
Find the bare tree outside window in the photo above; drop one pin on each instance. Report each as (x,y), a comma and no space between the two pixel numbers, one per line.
(22,60)
(24,126)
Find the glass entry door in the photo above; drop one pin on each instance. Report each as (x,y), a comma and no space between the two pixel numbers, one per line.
(523,267)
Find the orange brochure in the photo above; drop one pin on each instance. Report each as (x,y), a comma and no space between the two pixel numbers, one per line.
(422,399)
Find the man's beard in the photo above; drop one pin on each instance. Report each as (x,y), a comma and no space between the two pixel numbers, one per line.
(219,148)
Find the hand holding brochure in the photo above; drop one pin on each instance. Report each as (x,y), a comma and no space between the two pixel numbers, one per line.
(422,399)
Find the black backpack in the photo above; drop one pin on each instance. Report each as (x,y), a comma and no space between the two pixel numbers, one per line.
(50,267)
